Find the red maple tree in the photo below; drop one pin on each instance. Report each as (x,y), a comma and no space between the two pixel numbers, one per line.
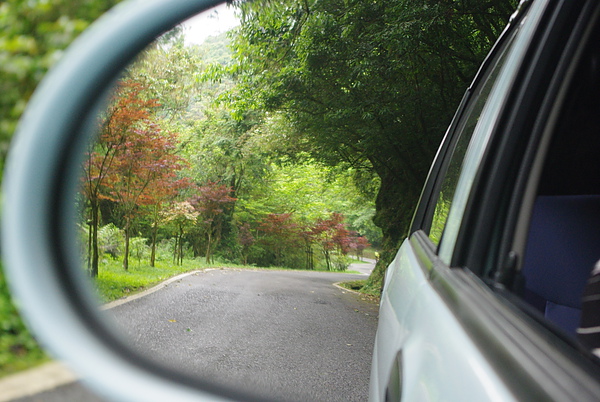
(279,232)
(143,173)
(246,240)
(334,238)
(211,201)
(126,111)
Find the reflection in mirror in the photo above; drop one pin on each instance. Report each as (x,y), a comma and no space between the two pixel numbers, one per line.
(189,193)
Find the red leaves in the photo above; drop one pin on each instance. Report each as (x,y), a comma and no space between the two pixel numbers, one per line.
(281,232)
(245,236)
(278,224)
(212,199)
(134,161)
(332,233)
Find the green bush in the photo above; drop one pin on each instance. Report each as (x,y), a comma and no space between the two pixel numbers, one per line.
(18,348)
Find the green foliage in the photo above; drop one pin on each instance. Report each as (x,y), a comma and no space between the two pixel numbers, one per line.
(303,193)
(370,84)
(139,248)
(113,282)
(33,35)
(18,348)
(110,240)
(215,50)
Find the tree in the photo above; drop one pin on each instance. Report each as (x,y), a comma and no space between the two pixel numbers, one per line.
(246,241)
(280,235)
(160,192)
(142,170)
(211,201)
(169,72)
(183,216)
(127,110)
(367,84)
(359,244)
(335,240)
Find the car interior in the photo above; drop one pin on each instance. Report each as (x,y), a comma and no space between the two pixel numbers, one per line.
(563,243)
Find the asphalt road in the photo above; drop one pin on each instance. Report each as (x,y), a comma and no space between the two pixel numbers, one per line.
(365,267)
(282,335)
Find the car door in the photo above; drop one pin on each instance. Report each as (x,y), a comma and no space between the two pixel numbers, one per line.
(455,320)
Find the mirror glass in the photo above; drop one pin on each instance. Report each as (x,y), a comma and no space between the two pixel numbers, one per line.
(221,241)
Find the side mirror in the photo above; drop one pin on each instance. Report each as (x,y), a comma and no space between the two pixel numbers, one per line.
(40,182)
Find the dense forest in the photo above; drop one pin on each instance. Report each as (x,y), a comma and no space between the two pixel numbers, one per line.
(360,90)
(368,84)
(294,140)
(178,173)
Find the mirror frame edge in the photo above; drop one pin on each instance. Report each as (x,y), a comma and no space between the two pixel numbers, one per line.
(36,250)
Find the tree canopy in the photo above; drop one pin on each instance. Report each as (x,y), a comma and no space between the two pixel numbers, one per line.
(175,165)
(367,84)
(33,35)
(339,91)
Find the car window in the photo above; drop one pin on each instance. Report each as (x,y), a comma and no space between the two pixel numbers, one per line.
(463,137)
(563,235)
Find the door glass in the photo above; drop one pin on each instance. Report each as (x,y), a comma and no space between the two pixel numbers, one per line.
(466,129)
(497,86)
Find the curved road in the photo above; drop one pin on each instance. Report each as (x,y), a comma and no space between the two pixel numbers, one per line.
(365,266)
(283,335)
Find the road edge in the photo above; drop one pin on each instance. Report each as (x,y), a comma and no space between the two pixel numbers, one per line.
(36,380)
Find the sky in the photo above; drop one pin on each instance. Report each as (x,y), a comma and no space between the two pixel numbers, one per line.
(209,23)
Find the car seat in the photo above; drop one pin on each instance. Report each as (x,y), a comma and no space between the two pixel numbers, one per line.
(562,247)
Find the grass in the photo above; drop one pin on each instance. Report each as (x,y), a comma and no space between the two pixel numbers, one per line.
(114,283)
(360,286)
(18,348)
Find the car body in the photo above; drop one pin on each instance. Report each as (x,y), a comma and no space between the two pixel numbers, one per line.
(483,301)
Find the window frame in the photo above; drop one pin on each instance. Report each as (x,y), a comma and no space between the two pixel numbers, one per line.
(535,359)
(492,240)
(424,214)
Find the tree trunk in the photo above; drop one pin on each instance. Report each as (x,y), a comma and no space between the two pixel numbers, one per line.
(180,245)
(176,248)
(309,256)
(126,256)
(327,259)
(94,229)
(153,248)
(208,244)
(89,248)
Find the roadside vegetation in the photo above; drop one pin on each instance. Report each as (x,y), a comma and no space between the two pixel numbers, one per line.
(18,348)
(113,283)
(177,171)
(296,140)
(32,36)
